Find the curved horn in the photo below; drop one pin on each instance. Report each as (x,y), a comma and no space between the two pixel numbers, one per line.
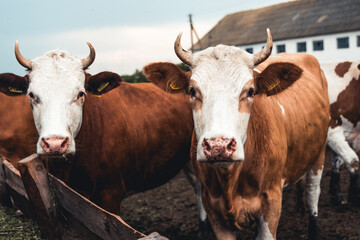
(23,61)
(184,56)
(86,62)
(265,52)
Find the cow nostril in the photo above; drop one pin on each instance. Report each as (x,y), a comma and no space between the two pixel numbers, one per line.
(232,144)
(45,143)
(65,142)
(206,144)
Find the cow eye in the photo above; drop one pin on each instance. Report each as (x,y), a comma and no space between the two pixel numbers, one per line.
(33,98)
(81,94)
(251,92)
(192,92)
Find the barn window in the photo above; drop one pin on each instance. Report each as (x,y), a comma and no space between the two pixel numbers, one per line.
(249,50)
(358,41)
(280,48)
(343,42)
(301,46)
(318,45)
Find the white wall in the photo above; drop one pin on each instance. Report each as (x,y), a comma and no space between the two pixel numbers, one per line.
(329,54)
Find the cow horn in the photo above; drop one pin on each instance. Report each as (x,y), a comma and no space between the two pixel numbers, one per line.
(23,61)
(265,52)
(184,56)
(86,62)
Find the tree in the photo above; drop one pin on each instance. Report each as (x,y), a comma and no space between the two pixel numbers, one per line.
(184,67)
(138,76)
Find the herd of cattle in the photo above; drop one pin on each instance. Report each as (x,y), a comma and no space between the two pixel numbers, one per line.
(250,123)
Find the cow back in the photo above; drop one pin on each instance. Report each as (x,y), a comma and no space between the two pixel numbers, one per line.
(289,129)
(135,137)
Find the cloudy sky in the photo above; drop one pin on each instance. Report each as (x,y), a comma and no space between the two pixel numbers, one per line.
(126,34)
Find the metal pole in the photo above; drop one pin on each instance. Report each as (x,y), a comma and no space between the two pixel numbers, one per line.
(191,33)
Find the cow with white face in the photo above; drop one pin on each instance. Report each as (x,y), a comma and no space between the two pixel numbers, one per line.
(56,85)
(255,131)
(132,138)
(222,107)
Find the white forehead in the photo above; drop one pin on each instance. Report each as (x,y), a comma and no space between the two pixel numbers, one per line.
(56,70)
(222,67)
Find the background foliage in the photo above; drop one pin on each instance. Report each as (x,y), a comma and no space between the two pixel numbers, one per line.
(138,76)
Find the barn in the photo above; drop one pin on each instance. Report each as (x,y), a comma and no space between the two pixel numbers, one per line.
(327,29)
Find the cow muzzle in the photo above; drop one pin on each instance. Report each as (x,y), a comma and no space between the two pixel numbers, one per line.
(219,149)
(55,145)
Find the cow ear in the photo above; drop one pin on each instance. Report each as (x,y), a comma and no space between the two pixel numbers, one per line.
(277,77)
(167,76)
(13,85)
(102,82)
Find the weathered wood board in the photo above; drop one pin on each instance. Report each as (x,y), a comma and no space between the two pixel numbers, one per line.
(61,212)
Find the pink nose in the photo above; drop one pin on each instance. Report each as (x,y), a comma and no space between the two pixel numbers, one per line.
(219,149)
(58,145)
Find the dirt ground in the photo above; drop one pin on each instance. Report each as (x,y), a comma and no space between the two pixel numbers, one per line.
(172,211)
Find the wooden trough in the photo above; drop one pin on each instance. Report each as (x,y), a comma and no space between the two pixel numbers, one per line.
(60,212)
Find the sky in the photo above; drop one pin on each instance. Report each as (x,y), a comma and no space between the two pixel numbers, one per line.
(126,34)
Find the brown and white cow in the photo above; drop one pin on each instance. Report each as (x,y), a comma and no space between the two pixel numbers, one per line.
(344,132)
(132,138)
(253,136)
(18,134)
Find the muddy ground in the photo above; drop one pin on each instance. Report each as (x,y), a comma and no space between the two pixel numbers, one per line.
(172,211)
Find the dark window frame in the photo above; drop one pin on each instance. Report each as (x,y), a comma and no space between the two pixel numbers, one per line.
(301,47)
(317,46)
(279,48)
(342,42)
(249,49)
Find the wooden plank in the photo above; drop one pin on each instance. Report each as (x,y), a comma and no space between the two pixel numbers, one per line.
(104,224)
(16,188)
(37,186)
(84,219)
(35,180)
(154,236)
(13,178)
(4,193)
(76,230)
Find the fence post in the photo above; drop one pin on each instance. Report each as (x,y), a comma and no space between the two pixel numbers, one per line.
(42,199)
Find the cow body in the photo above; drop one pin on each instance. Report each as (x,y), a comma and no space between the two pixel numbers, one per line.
(283,143)
(105,146)
(279,135)
(132,139)
(344,131)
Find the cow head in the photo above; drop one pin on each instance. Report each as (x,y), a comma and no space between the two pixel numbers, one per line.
(56,85)
(222,90)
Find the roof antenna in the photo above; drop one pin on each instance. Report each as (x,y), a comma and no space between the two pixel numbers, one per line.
(192,30)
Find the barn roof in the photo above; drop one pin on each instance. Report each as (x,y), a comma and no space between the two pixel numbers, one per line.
(288,20)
